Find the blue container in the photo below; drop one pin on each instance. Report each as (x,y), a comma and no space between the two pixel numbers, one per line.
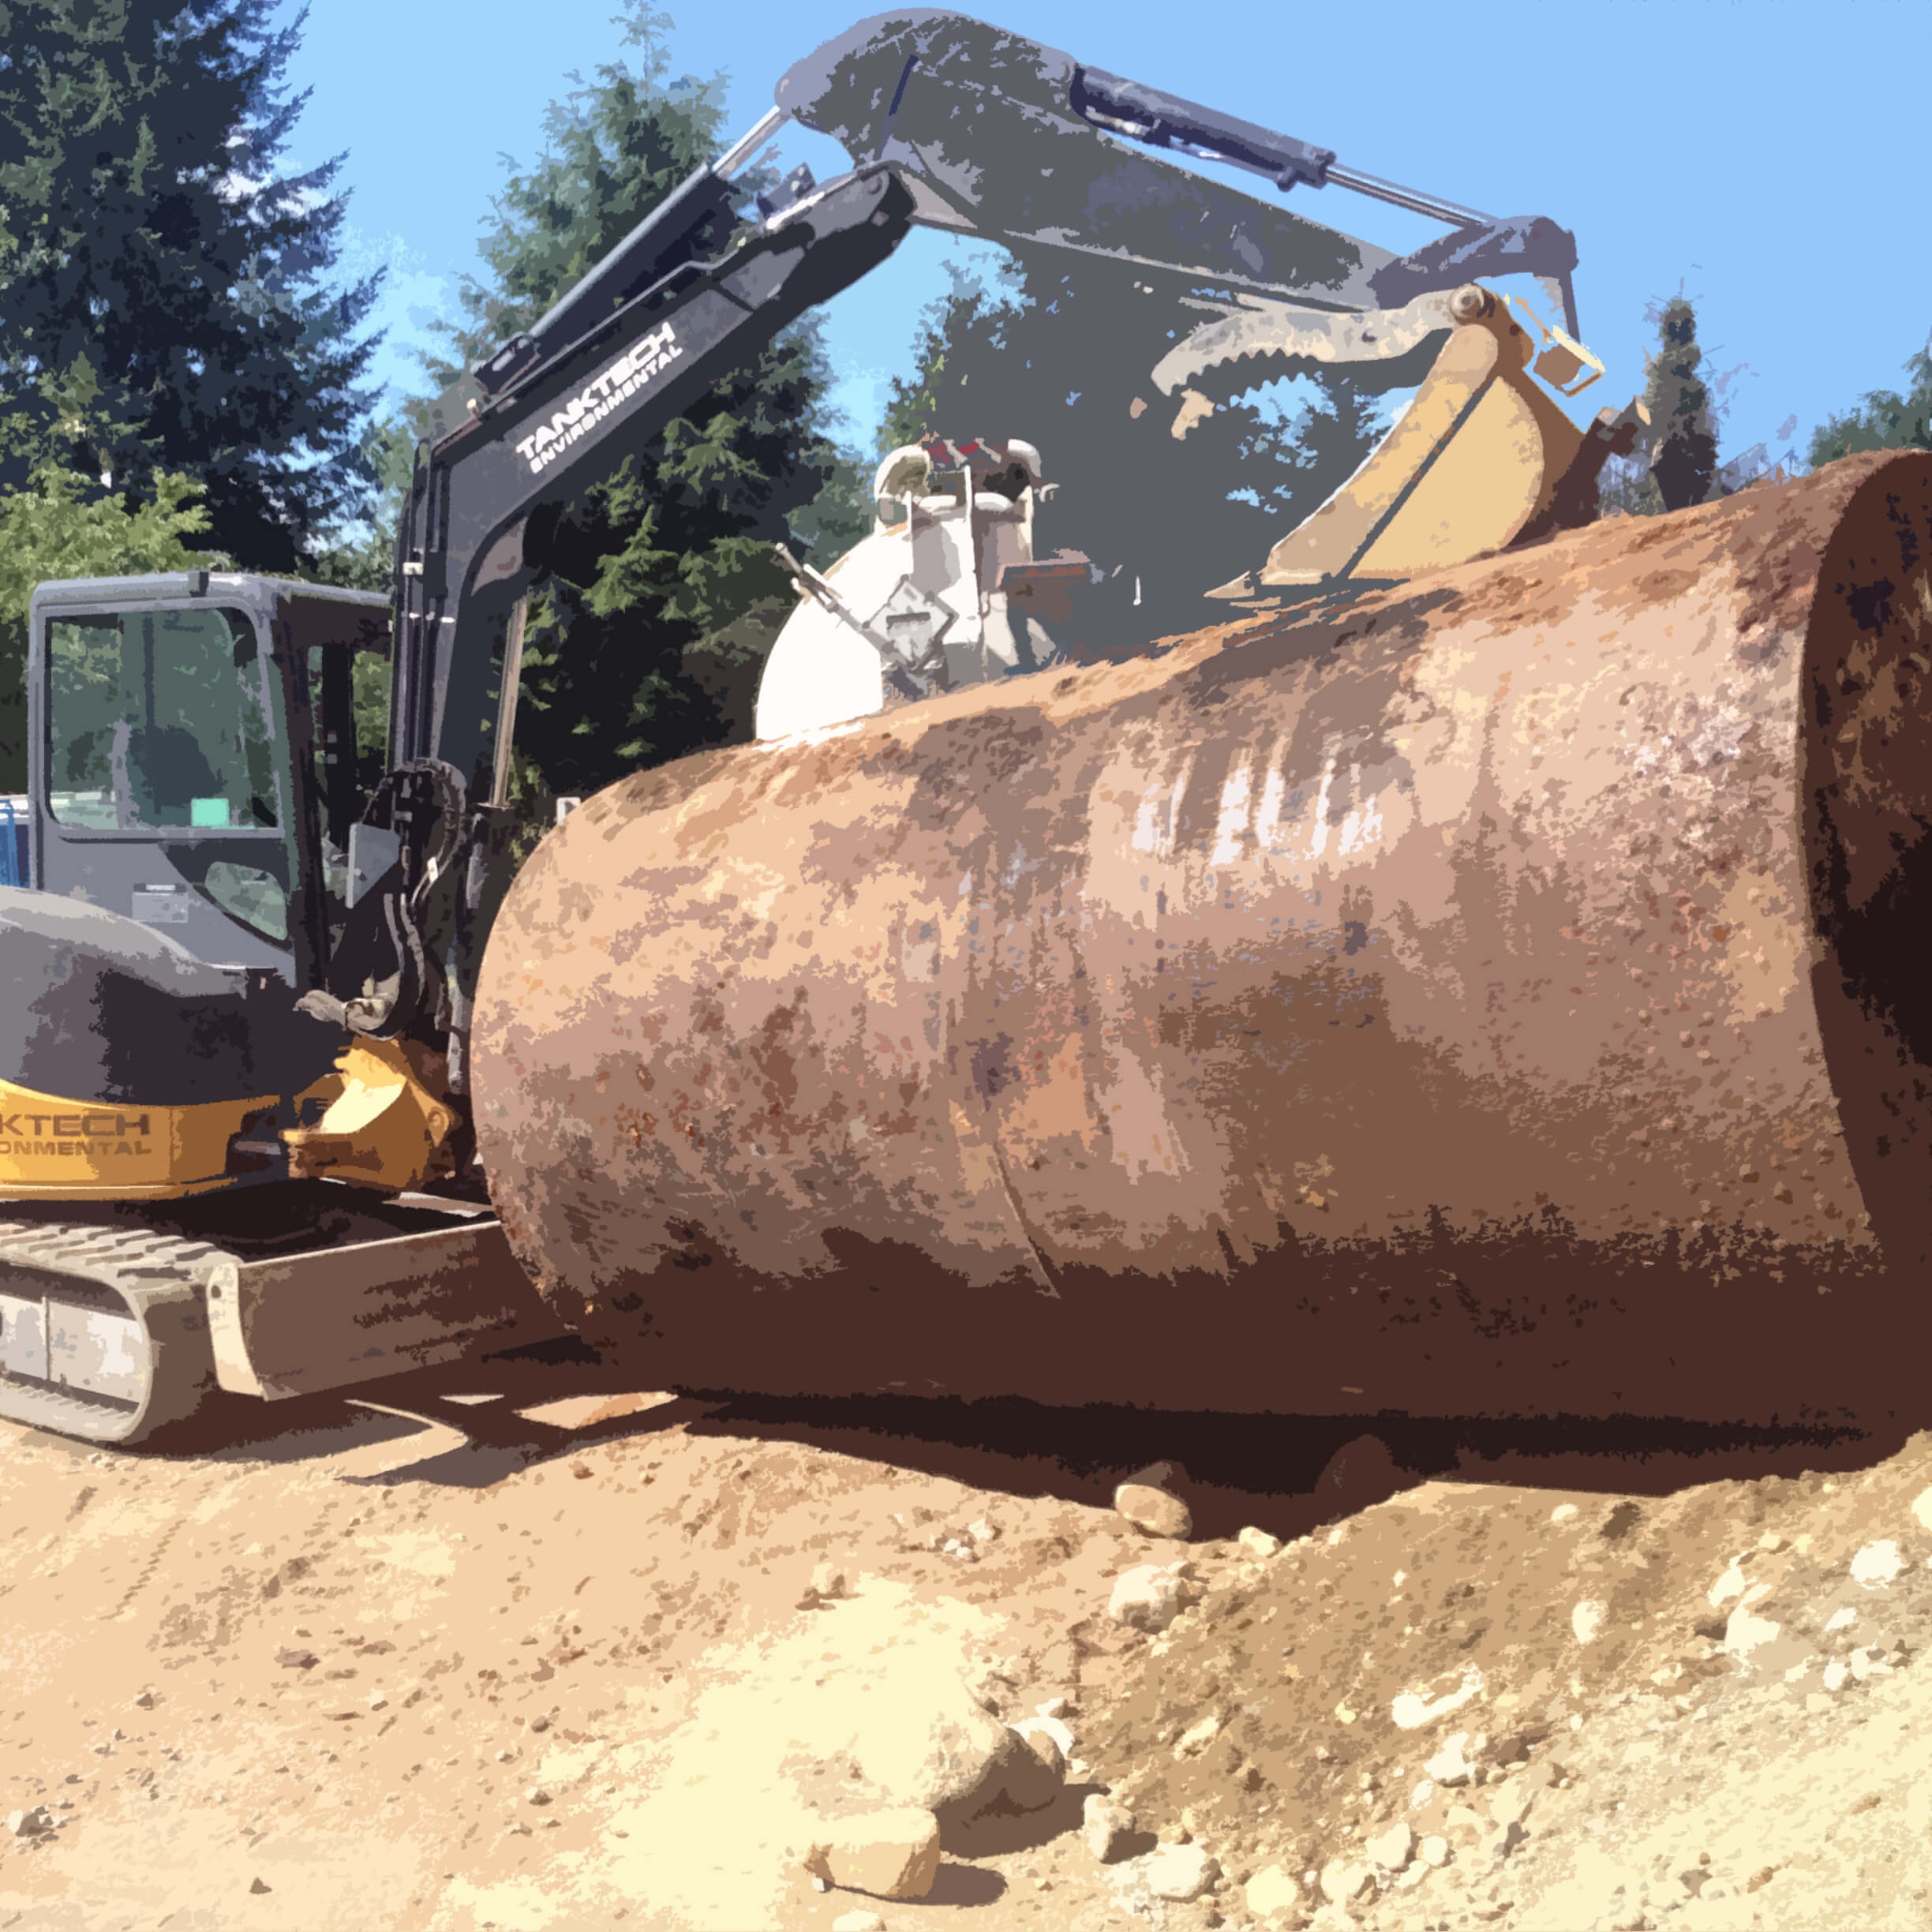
(12,841)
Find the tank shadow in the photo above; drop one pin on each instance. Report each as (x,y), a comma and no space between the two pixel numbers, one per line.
(1286,1474)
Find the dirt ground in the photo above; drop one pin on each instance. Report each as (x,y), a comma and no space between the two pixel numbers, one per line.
(515,1648)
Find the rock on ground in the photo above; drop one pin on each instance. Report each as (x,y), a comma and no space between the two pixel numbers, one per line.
(892,1854)
(1153,1510)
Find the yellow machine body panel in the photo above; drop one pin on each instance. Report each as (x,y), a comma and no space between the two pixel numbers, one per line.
(53,1148)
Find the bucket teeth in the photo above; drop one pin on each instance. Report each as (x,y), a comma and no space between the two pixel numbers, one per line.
(1258,340)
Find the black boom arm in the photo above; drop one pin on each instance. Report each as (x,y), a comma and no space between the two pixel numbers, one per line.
(602,375)
(486,493)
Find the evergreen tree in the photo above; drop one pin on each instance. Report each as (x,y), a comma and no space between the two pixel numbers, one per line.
(1675,463)
(1060,354)
(1885,420)
(1683,458)
(663,598)
(154,264)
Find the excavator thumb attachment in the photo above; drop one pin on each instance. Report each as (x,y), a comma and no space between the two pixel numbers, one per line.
(1481,459)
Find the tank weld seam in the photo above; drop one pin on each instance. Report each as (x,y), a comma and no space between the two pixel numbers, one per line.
(1052,1289)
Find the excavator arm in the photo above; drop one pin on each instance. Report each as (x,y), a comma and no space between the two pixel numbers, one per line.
(1001,137)
(692,295)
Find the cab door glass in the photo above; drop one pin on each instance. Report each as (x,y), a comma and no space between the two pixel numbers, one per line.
(159,720)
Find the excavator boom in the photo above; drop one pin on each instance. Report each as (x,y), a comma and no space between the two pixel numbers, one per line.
(1486,456)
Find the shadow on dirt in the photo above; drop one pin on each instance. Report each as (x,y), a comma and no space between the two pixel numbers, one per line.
(1286,1473)
(471,1425)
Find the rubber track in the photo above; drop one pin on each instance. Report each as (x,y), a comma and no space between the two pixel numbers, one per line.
(161,1279)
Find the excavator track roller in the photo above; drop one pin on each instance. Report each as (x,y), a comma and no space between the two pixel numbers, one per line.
(103,1330)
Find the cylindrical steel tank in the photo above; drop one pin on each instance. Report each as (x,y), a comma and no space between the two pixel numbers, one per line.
(1504,995)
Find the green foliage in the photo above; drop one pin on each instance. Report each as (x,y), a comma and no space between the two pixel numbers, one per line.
(1062,357)
(1885,420)
(841,514)
(59,525)
(166,304)
(663,598)
(363,557)
(1675,463)
(1683,458)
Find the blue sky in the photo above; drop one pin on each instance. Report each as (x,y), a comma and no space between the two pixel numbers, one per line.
(1766,156)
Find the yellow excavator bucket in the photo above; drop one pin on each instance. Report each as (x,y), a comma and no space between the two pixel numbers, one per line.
(1481,458)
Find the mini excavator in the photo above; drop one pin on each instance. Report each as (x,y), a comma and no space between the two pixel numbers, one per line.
(236,1143)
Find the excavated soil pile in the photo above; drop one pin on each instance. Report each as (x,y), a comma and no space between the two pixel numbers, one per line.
(1554,1711)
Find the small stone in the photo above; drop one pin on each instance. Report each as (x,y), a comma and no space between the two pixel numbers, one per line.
(1181,1872)
(258,1886)
(145,1701)
(34,1823)
(1153,1511)
(1393,1848)
(1877,1564)
(1025,1774)
(1054,1707)
(1039,1735)
(1344,1879)
(537,1795)
(1259,1543)
(828,1582)
(540,1723)
(859,1921)
(297,1659)
(1273,1890)
(1449,1767)
(1197,1737)
(981,1531)
(1434,1850)
(893,1854)
(1586,1621)
(1150,1596)
(1106,1828)
(377,1700)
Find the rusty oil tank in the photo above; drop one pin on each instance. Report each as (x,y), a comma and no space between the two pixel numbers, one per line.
(1505,993)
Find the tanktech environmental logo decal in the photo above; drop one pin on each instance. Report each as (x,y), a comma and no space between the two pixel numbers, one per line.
(95,1135)
(599,398)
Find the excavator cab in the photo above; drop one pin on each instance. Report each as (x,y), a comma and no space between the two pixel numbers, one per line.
(189,753)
